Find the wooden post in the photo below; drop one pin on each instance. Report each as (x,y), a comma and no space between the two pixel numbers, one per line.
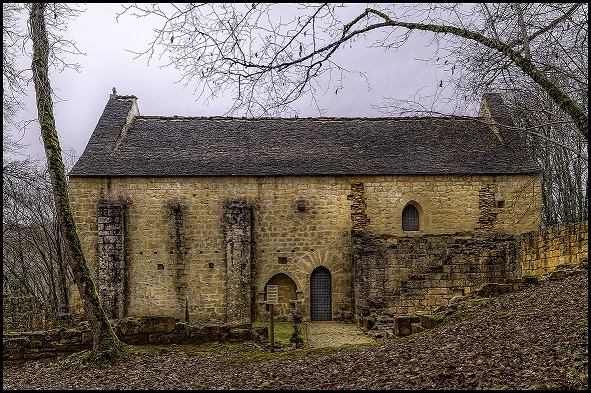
(271,329)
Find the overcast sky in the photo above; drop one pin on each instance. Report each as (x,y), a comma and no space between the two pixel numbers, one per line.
(107,64)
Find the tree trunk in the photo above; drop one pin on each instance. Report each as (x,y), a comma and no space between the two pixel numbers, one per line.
(62,275)
(105,345)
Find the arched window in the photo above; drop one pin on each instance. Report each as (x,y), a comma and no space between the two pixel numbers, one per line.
(410,218)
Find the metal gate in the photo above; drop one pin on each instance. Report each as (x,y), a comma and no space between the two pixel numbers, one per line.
(320,295)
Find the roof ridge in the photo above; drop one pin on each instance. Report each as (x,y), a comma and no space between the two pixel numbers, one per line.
(322,118)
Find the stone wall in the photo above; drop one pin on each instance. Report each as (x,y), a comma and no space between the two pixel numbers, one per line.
(408,275)
(506,204)
(147,330)
(177,260)
(298,224)
(542,251)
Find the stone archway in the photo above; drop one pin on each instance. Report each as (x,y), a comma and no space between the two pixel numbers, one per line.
(284,310)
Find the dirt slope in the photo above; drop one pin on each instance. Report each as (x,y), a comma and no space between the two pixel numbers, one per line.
(536,338)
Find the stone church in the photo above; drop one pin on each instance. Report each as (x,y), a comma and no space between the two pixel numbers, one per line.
(198,217)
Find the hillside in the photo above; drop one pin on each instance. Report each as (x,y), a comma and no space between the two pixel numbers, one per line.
(536,338)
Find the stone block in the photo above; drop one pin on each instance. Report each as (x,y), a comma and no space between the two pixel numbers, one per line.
(488,289)
(161,339)
(180,327)
(67,334)
(157,324)
(416,328)
(15,343)
(531,280)
(53,334)
(86,338)
(206,332)
(135,339)
(39,354)
(35,344)
(67,347)
(240,335)
(129,326)
(557,274)
(428,322)
(76,338)
(403,325)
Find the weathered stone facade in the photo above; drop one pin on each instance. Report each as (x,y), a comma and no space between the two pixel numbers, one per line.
(397,275)
(193,218)
(297,224)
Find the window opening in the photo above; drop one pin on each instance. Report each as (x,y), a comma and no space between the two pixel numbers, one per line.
(410,218)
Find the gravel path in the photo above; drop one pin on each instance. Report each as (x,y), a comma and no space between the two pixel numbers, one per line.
(334,334)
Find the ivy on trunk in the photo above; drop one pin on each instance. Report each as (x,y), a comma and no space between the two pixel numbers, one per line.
(106,346)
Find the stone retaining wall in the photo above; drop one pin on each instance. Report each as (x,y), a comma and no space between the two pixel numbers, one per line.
(403,276)
(542,251)
(148,330)
(397,276)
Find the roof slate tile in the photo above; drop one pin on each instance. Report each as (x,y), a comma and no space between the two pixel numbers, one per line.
(220,146)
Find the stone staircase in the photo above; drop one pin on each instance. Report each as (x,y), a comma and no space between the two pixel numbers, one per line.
(390,326)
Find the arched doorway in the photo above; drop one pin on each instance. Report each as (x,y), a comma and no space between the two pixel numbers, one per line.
(284,310)
(320,295)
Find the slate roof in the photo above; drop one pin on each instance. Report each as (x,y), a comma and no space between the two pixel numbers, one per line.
(219,146)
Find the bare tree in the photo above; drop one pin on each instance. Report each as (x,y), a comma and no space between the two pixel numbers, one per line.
(13,79)
(561,153)
(269,60)
(33,257)
(555,38)
(106,345)
(268,56)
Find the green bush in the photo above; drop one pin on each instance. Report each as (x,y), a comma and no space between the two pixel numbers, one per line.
(295,337)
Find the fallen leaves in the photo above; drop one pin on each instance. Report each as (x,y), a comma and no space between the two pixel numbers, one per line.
(536,338)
